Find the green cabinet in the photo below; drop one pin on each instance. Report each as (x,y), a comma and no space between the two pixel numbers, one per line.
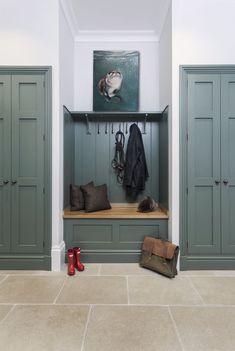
(209,238)
(112,240)
(228,163)
(22,167)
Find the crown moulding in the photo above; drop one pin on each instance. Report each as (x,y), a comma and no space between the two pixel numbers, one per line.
(116,35)
(104,35)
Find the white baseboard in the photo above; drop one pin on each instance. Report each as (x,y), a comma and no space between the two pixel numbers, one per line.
(57,257)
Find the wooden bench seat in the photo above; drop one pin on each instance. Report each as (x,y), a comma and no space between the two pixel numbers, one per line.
(118,211)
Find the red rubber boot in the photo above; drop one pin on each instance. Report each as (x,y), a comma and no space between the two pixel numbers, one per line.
(77,254)
(71,269)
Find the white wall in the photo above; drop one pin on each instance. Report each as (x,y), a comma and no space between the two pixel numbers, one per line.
(66,61)
(165,89)
(165,62)
(203,33)
(149,74)
(66,92)
(29,36)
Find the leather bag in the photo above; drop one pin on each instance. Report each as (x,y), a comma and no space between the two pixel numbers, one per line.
(160,256)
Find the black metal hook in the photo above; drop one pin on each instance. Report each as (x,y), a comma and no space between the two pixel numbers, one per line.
(145,121)
(106,128)
(112,128)
(87,124)
(98,128)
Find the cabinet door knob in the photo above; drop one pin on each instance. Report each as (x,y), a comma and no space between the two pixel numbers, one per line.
(217,182)
(225,182)
(6,181)
(13,182)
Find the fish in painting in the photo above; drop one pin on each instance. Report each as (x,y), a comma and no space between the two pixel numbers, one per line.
(110,85)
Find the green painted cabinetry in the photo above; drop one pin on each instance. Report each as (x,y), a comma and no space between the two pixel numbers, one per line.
(108,240)
(22,171)
(209,175)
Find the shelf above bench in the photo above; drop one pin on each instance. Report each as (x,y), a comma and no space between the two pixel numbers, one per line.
(106,116)
(118,211)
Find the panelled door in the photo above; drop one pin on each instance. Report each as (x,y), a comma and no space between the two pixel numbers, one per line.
(5,161)
(228,162)
(211,164)
(22,198)
(204,164)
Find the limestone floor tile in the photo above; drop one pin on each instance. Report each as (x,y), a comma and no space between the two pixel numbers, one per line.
(162,291)
(4,309)
(205,328)
(224,273)
(196,273)
(216,290)
(130,328)
(30,289)
(44,328)
(124,269)
(94,290)
(15,272)
(90,269)
(2,276)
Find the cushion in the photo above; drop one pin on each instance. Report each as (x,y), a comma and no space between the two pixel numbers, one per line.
(96,198)
(77,202)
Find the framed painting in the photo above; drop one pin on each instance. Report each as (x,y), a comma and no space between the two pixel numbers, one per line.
(116,81)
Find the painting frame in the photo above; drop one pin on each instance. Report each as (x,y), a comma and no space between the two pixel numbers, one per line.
(116,80)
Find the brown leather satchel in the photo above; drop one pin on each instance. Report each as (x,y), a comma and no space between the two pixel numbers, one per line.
(160,256)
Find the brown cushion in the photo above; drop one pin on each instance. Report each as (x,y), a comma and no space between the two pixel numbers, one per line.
(96,198)
(77,202)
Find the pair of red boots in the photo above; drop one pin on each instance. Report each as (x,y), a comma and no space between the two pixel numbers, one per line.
(74,260)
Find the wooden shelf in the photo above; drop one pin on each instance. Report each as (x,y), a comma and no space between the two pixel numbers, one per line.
(118,211)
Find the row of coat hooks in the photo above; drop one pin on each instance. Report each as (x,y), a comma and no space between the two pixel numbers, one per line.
(125,130)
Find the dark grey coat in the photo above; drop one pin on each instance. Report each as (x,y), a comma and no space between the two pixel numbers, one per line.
(136,172)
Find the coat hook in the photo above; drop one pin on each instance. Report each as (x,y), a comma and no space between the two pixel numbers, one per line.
(87,124)
(98,128)
(119,127)
(112,128)
(145,121)
(126,128)
(106,128)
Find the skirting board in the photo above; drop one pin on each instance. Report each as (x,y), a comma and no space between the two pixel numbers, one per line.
(32,262)
(207,263)
(109,257)
(57,257)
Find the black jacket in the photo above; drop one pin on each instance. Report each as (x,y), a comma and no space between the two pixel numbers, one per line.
(136,172)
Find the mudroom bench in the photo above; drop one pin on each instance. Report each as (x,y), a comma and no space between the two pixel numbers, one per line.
(114,235)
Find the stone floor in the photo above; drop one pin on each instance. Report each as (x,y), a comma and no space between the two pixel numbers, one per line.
(117,307)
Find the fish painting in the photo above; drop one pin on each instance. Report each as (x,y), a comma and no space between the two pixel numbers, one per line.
(115,80)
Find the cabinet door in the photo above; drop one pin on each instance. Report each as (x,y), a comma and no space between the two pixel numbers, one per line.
(5,161)
(28,110)
(204,164)
(228,162)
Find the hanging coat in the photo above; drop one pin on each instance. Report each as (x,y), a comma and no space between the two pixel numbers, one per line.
(136,172)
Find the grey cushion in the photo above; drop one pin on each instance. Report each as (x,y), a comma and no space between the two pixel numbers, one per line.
(77,202)
(96,198)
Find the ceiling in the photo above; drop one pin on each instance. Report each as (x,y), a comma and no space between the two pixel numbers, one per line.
(133,16)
